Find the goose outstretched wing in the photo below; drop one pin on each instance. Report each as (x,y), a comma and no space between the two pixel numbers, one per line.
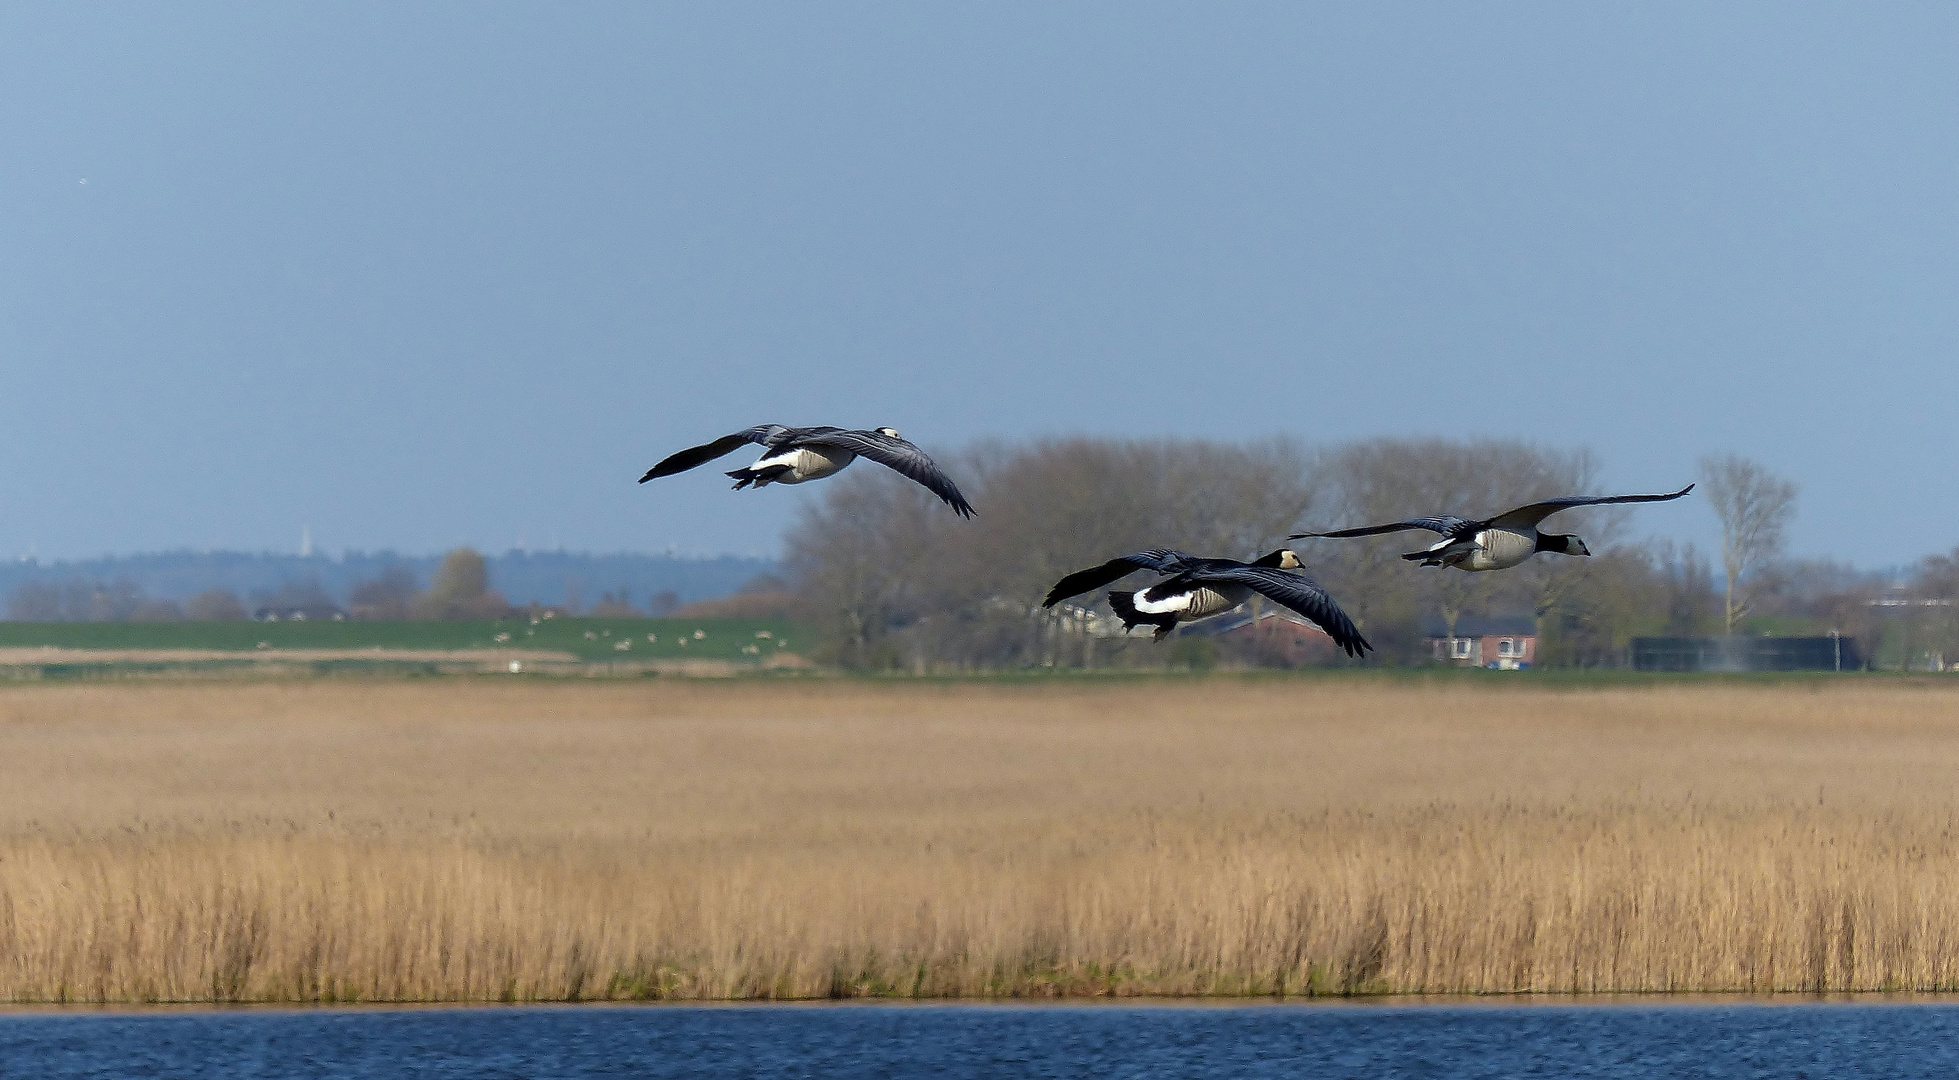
(1447,525)
(1161,560)
(895,453)
(764,434)
(1527,517)
(1301,594)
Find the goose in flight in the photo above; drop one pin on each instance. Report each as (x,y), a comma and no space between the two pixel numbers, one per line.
(796,455)
(1200,588)
(1495,543)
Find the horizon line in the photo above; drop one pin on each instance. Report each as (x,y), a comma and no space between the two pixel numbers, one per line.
(346,554)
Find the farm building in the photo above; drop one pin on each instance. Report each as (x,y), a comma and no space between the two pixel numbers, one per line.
(1506,642)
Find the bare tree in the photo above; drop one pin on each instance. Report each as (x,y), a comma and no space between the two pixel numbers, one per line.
(896,582)
(1935,601)
(461,590)
(1625,590)
(900,583)
(1683,578)
(391,595)
(1384,479)
(862,560)
(35,601)
(1755,507)
(215,605)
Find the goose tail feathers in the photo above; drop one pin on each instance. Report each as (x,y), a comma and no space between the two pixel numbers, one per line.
(1124,604)
(758,477)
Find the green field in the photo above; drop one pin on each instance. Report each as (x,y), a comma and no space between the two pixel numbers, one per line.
(588,639)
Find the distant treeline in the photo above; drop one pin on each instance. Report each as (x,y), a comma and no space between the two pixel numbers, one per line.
(898,583)
(225,585)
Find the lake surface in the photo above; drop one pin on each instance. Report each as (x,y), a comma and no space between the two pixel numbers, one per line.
(1457,1042)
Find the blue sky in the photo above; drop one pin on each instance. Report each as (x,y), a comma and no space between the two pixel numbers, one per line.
(419,275)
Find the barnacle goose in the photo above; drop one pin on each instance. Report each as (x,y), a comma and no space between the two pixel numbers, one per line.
(1496,543)
(1200,588)
(797,455)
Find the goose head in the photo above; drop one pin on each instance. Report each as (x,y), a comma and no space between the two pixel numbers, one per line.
(889,433)
(1563,543)
(1283,559)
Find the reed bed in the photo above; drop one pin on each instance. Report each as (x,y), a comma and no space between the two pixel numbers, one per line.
(505,840)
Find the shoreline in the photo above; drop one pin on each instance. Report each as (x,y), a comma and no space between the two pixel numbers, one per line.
(1383,1002)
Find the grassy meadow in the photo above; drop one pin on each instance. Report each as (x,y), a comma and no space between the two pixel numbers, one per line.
(484,839)
(586,639)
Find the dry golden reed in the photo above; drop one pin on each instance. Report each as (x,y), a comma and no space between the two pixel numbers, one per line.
(484,839)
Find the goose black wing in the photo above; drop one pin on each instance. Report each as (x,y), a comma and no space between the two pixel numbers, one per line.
(1527,517)
(765,435)
(1161,560)
(1447,525)
(897,454)
(1301,594)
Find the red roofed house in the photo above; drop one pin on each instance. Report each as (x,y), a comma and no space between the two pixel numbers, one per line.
(1505,644)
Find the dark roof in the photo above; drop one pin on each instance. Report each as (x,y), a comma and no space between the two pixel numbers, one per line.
(1483,626)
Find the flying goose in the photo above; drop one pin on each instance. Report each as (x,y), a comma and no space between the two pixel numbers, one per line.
(1495,543)
(1200,588)
(796,455)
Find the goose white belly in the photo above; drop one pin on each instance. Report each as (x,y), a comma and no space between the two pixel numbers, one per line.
(1498,549)
(1200,602)
(804,464)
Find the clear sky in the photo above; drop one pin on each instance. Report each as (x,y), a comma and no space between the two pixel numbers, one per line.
(419,275)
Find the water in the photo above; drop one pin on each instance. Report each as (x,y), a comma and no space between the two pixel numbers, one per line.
(1460,1043)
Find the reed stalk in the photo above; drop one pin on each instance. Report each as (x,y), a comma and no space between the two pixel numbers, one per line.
(486,840)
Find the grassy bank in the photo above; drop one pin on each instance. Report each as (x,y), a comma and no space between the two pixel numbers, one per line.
(478,840)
